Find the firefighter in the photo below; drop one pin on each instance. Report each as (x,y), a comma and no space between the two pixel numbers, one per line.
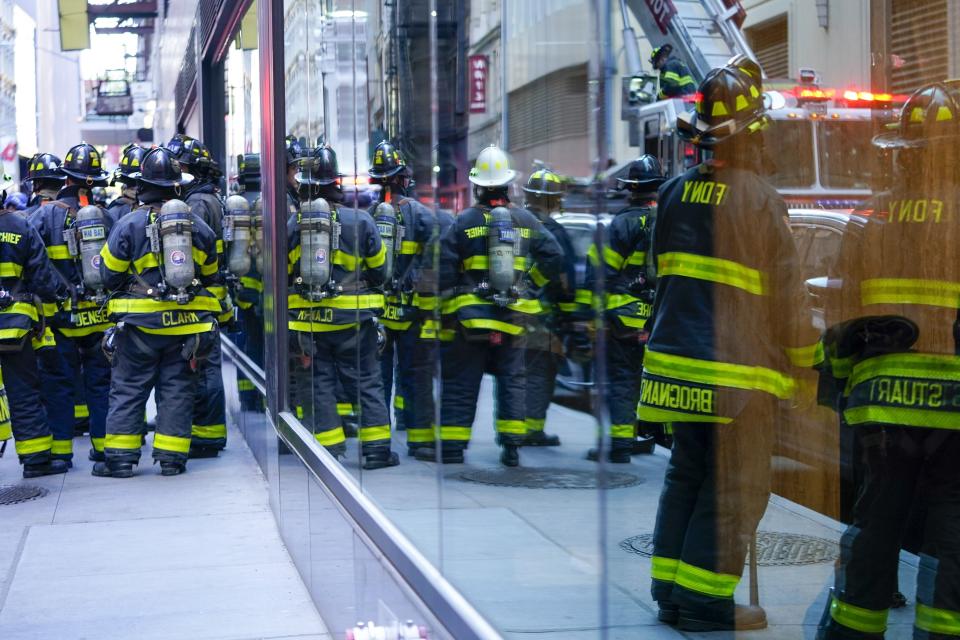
(675,78)
(157,262)
(26,278)
(491,260)
(543,195)
(406,227)
(15,202)
(295,151)
(628,298)
(73,228)
(248,287)
(45,179)
(209,415)
(729,320)
(893,343)
(337,264)
(126,202)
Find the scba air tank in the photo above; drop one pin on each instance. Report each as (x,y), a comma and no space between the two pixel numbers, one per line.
(91,236)
(316,246)
(176,238)
(501,250)
(236,232)
(386,218)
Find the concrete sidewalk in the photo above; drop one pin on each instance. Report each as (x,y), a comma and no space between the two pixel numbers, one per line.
(194,556)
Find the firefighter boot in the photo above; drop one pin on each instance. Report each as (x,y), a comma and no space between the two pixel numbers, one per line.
(198,452)
(510,455)
(745,618)
(667,612)
(113,469)
(450,453)
(170,468)
(47,468)
(96,456)
(619,453)
(380,458)
(537,438)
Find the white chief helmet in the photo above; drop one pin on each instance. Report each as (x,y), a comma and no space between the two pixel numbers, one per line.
(492,168)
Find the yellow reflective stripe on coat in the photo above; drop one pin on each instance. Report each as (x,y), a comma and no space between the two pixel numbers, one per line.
(80,332)
(663,568)
(805,356)
(370,434)
(46,340)
(934,620)
(149,305)
(654,414)
(122,441)
(936,293)
(906,365)
(492,325)
(318,327)
(182,330)
(738,376)
(331,437)
(482,262)
(171,443)
(637,258)
(612,258)
(112,262)
(718,270)
(22,308)
(538,278)
(10,270)
(858,618)
(720,585)
(617,300)
(454,433)
(583,296)
(144,262)
(13,334)
(410,248)
(59,252)
(348,302)
(928,418)
(251,283)
(34,445)
(377,259)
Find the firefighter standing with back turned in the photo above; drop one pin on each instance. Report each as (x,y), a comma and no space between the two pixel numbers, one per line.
(337,263)
(629,289)
(408,226)
(730,319)
(73,230)
(543,196)
(486,258)
(157,262)
(45,178)
(209,414)
(25,272)
(893,341)
(126,202)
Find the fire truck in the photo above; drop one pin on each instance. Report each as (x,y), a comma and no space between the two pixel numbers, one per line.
(818,146)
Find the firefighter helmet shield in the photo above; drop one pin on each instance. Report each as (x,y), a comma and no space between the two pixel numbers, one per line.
(643,174)
(387,161)
(932,113)
(83,162)
(492,168)
(161,169)
(729,101)
(544,182)
(45,166)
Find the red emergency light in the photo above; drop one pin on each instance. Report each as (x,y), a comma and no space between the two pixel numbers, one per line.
(866,96)
(816,94)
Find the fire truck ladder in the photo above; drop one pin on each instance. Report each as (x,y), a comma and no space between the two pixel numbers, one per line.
(703,33)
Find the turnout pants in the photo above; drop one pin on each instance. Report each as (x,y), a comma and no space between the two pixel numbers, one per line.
(408,362)
(914,463)
(27,417)
(145,361)
(347,356)
(464,363)
(715,492)
(209,427)
(542,366)
(624,368)
(252,344)
(75,367)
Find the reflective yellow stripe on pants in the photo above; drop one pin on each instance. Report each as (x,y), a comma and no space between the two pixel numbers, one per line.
(858,618)
(34,445)
(711,583)
(934,620)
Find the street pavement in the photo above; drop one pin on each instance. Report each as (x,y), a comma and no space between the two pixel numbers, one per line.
(195,556)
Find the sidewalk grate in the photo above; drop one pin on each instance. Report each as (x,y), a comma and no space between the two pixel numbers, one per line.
(549,478)
(774,549)
(15,494)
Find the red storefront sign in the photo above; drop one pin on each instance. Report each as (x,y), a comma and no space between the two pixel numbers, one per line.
(479,67)
(663,12)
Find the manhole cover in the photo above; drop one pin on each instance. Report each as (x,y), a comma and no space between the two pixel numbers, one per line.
(773,548)
(18,493)
(549,478)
